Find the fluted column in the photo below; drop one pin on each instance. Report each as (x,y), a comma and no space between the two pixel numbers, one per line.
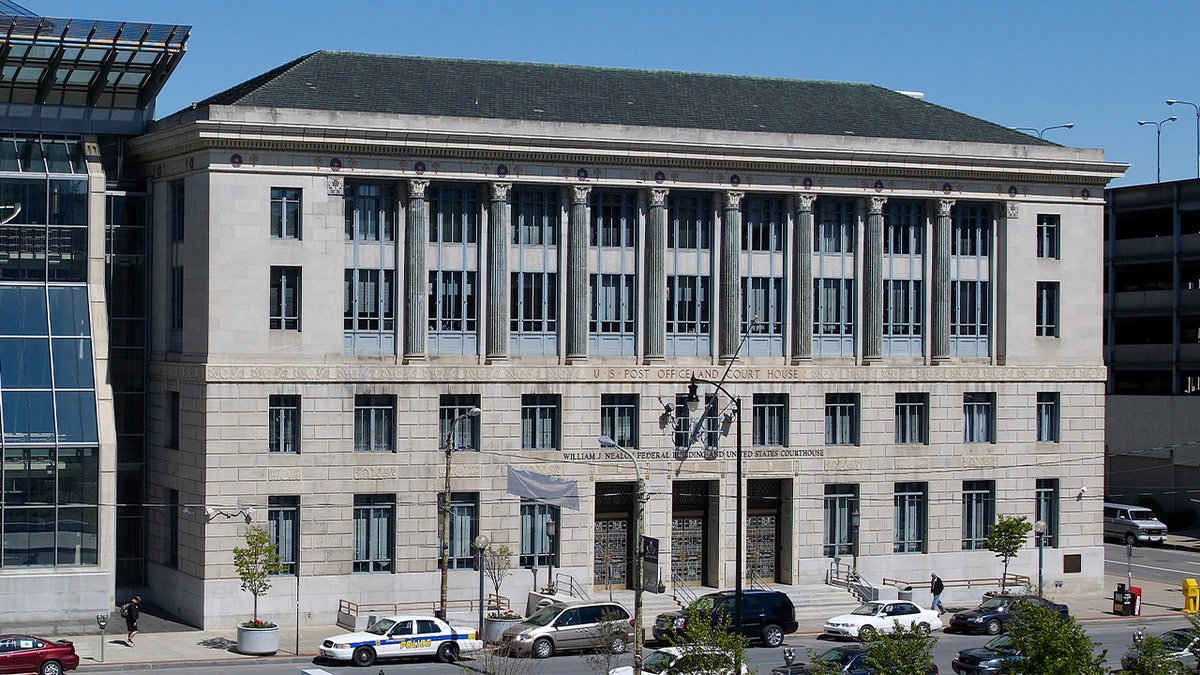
(416,285)
(656,278)
(873,282)
(939,315)
(577,274)
(802,282)
(730,305)
(497,259)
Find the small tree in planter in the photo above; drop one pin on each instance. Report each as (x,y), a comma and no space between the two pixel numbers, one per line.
(1007,537)
(497,564)
(255,563)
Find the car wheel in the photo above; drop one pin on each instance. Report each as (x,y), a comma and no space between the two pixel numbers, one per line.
(448,652)
(1130,540)
(772,635)
(363,656)
(618,646)
(51,668)
(923,628)
(867,632)
(543,648)
(993,627)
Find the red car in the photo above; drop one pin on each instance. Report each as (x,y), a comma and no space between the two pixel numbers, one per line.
(27,654)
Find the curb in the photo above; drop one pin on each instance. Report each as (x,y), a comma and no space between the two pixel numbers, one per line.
(184,663)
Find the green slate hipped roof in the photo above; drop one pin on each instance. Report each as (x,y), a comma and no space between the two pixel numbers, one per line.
(407,85)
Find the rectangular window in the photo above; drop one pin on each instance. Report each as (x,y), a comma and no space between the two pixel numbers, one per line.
(453,214)
(283,527)
(374,532)
(972,224)
(841,509)
(614,219)
(688,305)
(453,301)
(771,420)
(979,417)
(1047,309)
(904,227)
(619,418)
(763,229)
(1047,236)
(534,302)
(285,298)
(613,298)
(689,221)
(540,414)
(1046,511)
(285,213)
(177,204)
(701,426)
(978,513)
(833,307)
(284,423)
(173,419)
(370,212)
(455,422)
(910,505)
(374,423)
(176,298)
(912,419)
(841,419)
(970,308)
(537,519)
(1047,416)
(903,307)
(536,215)
(369,300)
(762,302)
(464,527)
(834,231)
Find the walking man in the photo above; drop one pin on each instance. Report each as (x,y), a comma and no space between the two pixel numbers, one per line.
(130,611)
(936,587)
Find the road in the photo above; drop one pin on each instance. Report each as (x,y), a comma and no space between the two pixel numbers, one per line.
(1150,563)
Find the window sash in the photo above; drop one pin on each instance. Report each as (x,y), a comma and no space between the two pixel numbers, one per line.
(453,301)
(1046,510)
(370,214)
(762,301)
(453,214)
(373,534)
(369,300)
(689,221)
(833,307)
(285,213)
(978,513)
(904,228)
(614,219)
(452,407)
(284,423)
(464,527)
(534,302)
(619,418)
(979,418)
(770,420)
(1048,236)
(910,518)
(912,419)
(1047,417)
(763,229)
(835,226)
(689,304)
(1047,309)
(535,535)
(841,501)
(539,421)
(841,419)
(374,423)
(285,298)
(536,215)
(903,307)
(970,309)
(972,230)
(613,298)
(283,530)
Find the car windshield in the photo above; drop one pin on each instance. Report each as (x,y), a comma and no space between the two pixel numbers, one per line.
(868,609)
(1177,639)
(1141,514)
(996,603)
(381,627)
(834,656)
(1000,645)
(543,616)
(656,662)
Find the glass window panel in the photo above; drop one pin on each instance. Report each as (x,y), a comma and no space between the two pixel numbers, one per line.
(24,308)
(78,476)
(25,363)
(72,363)
(68,202)
(29,476)
(28,416)
(28,537)
(76,536)
(76,411)
(69,311)
(66,255)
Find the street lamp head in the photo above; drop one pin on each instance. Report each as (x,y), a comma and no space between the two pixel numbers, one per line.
(473,412)
(693,397)
(1172,101)
(1040,527)
(1172,118)
(606,442)
(1142,123)
(481,542)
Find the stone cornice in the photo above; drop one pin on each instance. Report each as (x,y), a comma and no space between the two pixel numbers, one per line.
(502,374)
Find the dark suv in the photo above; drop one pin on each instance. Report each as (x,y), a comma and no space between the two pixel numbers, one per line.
(766,616)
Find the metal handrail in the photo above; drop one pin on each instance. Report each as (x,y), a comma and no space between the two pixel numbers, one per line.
(571,586)
(1003,581)
(757,582)
(847,577)
(493,602)
(680,589)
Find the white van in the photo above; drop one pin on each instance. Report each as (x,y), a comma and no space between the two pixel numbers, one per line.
(1133,524)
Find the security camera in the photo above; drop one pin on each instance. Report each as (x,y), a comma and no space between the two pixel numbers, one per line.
(249,510)
(1083,489)
(210,512)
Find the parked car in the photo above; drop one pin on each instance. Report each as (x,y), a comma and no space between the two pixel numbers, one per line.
(1180,644)
(993,615)
(767,616)
(879,616)
(988,659)
(1133,524)
(671,660)
(402,635)
(568,626)
(848,659)
(29,654)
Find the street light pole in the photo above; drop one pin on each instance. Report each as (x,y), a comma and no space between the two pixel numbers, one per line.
(1041,132)
(1040,528)
(481,544)
(1158,143)
(444,510)
(639,519)
(1172,101)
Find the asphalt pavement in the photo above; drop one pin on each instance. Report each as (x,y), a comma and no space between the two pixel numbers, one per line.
(164,640)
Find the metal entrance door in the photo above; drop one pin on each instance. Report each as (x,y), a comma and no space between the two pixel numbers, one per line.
(687,548)
(761,546)
(611,551)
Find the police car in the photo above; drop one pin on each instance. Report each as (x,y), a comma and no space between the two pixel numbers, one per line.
(404,635)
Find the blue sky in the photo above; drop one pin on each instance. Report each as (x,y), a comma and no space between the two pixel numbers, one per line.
(1100,64)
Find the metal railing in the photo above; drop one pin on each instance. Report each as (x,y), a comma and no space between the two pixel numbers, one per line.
(682,593)
(493,603)
(845,576)
(1015,581)
(758,583)
(566,583)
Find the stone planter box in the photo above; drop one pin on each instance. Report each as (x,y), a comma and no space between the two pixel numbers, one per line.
(493,629)
(257,641)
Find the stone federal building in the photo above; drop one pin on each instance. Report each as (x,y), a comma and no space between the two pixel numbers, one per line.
(905,299)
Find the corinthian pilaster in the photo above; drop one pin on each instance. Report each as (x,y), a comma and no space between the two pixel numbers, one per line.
(802,283)
(730,305)
(415,281)
(656,279)
(940,312)
(497,260)
(873,282)
(577,274)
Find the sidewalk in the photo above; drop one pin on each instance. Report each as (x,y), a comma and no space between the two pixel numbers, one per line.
(164,641)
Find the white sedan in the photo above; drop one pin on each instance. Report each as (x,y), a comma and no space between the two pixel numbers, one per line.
(409,635)
(669,660)
(880,616)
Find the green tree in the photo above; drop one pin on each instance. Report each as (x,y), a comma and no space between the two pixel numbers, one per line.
(907,650)
(1148,656)
(1048,644)
(1007,537)
(255,563)
(497,564)
(707,643)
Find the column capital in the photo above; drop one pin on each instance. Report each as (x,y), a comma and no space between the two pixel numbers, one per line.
(733,199)
(876,204)
(805,202)
(500,191)
(580,193)
(416,188)
(658,197)
(944,206)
